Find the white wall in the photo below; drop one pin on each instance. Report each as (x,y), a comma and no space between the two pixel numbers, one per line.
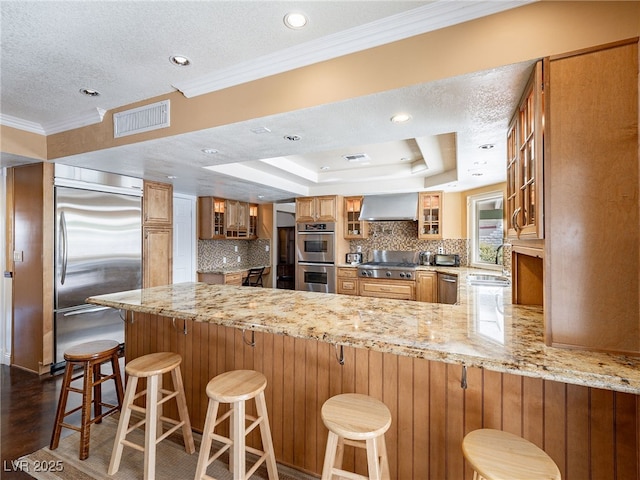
(5,287)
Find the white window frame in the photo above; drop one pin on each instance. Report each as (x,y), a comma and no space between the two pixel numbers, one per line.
(472,231)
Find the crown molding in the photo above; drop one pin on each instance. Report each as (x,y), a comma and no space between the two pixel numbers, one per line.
(20,124)
(430,17)
(88,118)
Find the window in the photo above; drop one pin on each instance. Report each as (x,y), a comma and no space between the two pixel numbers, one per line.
(486,229)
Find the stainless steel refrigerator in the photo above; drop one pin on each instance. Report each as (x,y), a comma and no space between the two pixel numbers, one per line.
(98,251)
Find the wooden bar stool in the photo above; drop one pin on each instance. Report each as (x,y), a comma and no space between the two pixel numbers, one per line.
(235,388)
(498,455)
(91,356)
(359,421)
(152,367)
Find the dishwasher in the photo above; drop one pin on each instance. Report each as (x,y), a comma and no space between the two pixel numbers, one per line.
(447,288)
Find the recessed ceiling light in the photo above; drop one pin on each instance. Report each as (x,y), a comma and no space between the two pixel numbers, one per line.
(180,60)
(292,138)
(209,151)
(171,177)
(325,167)
(260,197)
(89,92)
(259,130)
(486,146)
(295,20)
(401,118)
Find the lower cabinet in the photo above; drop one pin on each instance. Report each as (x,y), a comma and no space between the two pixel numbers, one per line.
(347,281)
(232,278)
(426,287)
(381,288)
(430,410)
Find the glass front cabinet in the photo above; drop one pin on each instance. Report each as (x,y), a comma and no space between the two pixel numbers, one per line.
(354,228)
(430,215)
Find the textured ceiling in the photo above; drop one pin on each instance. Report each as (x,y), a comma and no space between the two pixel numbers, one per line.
(51,49)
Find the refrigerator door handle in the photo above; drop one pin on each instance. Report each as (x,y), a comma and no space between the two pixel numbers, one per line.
(85,310)
(64,245)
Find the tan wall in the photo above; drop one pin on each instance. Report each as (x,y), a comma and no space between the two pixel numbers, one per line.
(451,227)
(481,44)
(464,200)
(20,142)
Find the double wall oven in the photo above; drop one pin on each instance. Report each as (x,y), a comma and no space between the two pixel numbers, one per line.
(315,250)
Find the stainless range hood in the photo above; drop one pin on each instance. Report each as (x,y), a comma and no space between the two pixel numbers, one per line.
(397,206)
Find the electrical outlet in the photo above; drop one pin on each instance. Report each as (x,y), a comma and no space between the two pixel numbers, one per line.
(440,250)
(18,256)
(239,259)
(359,249)
(224,259)
(266,248)
(235,248)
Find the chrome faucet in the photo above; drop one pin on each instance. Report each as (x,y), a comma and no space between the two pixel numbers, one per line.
(498,253)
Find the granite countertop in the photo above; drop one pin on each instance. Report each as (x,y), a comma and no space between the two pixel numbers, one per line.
(483,330)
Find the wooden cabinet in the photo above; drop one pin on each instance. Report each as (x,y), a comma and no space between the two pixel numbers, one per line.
(157,256)
(317,209)
(354,228)
(426,286)
(525,163)
(430,215)
(591,260)
(211,218)
(253,221)
(382,288)
(236,219)
(157,204)
(230,278)
(347,281)
(157,234)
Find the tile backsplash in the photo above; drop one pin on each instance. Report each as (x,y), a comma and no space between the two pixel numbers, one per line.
(252,253)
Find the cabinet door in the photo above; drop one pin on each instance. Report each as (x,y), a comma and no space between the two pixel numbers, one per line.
(379,288)
(426,287)
(354,228)
(157,203)
(525,163)
(157,256)
(326,208)
(305,210)
(211,218)
(253,221)
(430,215)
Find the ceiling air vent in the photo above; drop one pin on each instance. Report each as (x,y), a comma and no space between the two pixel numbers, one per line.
(356,157)
(141,119)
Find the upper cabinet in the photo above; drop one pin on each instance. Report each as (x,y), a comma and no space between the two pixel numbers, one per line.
(525,163)
(354,228)
(317,209)
(430,215)
(237,219)
(211,218)
(157,204)
(220,219)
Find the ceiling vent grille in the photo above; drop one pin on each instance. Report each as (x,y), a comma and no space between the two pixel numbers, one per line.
(356,157)
(142,119)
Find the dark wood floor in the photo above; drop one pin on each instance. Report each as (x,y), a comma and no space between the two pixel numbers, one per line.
(28,404)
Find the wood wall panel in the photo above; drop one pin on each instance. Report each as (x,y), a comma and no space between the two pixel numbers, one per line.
(590,433)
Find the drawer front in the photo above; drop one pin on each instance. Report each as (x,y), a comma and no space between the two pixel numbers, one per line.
(348,272)
(347,286)
(233,278)
(402,290)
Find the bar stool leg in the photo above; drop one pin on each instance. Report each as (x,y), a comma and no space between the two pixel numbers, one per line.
(384,461)
(236,459)
(62,403)
(97,392)
(87,387)
(205,445)
(151,428)
(183,412)
(265,434)
(330,456)
(115,367)
(123,425)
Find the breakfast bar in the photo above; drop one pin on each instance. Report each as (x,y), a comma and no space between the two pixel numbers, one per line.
(443,370)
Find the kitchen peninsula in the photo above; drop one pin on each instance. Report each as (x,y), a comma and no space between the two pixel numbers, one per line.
(443,370)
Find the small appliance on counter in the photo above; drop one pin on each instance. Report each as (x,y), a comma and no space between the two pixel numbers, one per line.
(426,258)
(354,258)
(447,259)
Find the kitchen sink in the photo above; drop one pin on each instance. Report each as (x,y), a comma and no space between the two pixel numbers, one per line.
(491,280)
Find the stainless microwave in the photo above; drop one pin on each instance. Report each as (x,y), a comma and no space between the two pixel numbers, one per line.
(447,259)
